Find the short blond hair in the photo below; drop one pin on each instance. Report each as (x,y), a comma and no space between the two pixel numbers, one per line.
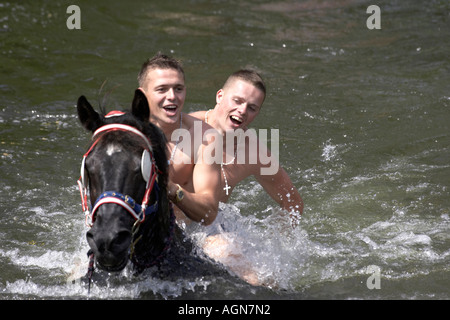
(249,76)
(159,61)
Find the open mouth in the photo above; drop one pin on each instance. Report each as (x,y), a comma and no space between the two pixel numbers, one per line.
(236,120)
(170,110)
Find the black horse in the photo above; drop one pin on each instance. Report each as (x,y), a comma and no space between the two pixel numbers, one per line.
(126,172)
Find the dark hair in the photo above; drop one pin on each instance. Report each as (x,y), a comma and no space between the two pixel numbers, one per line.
(159,61)
(250,76)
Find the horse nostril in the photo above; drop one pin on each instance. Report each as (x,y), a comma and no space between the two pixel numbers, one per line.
(91,241)
(115,244)
(110,249)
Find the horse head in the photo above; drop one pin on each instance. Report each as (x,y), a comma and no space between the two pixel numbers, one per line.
(125,171)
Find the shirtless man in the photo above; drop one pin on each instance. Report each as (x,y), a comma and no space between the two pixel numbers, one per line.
(193,185)
(237,105)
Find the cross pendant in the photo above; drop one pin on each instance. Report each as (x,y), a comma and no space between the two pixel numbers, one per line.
(226,189)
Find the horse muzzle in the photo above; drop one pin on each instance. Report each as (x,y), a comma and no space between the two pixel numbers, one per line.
(112,268)
(112,251)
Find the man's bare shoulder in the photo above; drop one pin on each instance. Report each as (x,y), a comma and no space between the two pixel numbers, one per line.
(191,121)
(198,114)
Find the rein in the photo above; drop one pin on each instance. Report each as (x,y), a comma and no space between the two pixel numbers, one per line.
(139,211)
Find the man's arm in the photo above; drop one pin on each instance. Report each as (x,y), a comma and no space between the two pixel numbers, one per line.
(201,205)
(201,196)
(279,186)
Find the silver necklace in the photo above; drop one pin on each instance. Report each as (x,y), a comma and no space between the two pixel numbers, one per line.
(227,187)
(206,115)
(172,155)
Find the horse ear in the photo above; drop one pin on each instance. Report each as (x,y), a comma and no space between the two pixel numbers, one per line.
(139,107)
(89,118)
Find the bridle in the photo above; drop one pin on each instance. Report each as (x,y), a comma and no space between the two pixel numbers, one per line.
(140,212)
(149,173)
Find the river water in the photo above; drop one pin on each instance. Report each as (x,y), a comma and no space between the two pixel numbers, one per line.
(363,118)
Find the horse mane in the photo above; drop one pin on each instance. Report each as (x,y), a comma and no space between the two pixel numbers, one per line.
(103,101)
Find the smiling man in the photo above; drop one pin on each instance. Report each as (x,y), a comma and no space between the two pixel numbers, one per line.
(237,105)
(193,185)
